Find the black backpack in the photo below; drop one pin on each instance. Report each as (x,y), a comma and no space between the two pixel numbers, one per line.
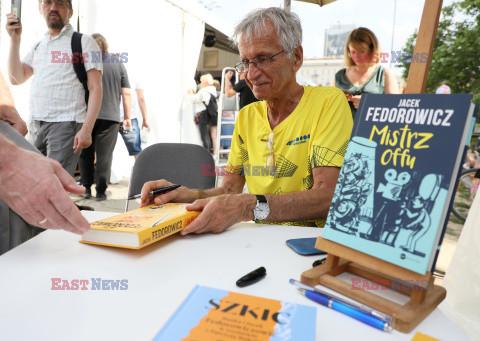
(212,107)
(79,66)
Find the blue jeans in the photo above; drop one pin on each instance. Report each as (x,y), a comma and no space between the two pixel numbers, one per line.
(132,140)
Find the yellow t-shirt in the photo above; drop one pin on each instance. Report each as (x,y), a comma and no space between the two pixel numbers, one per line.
(315,134)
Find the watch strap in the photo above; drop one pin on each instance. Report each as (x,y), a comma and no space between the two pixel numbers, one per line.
(261,198)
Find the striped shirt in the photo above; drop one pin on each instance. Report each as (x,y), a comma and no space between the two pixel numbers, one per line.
(56,93)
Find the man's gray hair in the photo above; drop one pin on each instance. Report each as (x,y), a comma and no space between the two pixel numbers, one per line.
(287,26)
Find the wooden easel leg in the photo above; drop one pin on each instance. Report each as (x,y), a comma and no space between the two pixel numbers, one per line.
(419,293)
(332,261)
(312,277)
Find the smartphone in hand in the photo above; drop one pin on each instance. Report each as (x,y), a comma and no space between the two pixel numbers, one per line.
(17,10)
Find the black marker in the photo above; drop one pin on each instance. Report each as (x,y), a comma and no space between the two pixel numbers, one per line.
(252,277)
(156,191)
(319,262)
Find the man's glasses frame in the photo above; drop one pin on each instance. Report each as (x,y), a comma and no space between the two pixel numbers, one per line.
(58,3)
(260,63)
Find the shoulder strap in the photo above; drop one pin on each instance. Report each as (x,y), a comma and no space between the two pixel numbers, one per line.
(206,105)
(213,98)
(212,107)
(36,46)
(373,75)
(79,64)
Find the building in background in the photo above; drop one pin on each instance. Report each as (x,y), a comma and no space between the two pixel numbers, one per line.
(321,71)
(335,38)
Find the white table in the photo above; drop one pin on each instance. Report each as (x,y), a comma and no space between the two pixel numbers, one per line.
(159,278)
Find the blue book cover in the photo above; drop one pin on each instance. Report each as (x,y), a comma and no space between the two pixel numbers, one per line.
(215,314)
(394,190)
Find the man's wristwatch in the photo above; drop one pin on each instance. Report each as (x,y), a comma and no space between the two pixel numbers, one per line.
(262,210)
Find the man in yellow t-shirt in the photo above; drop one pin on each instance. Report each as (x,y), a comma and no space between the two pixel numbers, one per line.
(288,148)
(314,135)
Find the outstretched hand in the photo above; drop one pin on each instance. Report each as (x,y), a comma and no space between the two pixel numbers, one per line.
(35,188)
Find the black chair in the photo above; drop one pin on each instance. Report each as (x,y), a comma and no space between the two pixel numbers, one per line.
(180,163)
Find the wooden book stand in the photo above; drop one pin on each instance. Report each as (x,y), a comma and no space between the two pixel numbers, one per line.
(424,296)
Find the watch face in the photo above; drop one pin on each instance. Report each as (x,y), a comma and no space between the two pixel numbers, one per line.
(262,210)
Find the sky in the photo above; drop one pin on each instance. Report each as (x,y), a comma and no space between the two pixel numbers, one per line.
(377,15)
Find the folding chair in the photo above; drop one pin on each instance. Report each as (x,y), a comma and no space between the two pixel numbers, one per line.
(180,163)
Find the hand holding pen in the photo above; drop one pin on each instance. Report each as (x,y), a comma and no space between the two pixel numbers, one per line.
(178,194)
(156,192)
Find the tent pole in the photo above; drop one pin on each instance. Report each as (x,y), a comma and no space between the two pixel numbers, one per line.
(393,30)
(427,33)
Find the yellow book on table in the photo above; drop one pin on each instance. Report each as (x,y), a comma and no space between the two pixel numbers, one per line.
(141,227)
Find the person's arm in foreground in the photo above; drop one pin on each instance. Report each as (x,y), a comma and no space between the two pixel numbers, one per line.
(8,113)
(83,139)
(35,188)
(226,205)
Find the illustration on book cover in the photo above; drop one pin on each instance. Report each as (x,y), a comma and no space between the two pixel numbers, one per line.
(400,205)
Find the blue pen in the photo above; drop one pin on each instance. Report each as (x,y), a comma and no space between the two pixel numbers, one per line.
(347,310)
(356,314)
(355,305)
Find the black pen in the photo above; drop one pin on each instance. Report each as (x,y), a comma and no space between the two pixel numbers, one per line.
(156,191)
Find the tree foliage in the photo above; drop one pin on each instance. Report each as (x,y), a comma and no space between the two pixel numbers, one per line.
(456,56)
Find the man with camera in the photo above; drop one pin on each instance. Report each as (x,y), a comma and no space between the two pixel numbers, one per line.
(58,107)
